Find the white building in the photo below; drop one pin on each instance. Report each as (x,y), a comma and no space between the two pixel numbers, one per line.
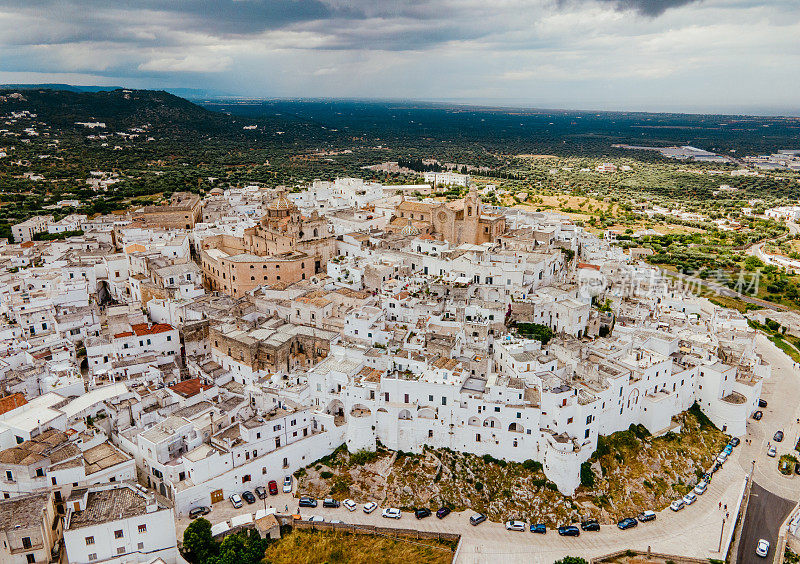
(119,523)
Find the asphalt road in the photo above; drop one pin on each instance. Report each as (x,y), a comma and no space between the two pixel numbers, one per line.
(765,514)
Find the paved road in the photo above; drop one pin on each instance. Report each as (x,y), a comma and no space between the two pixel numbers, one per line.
(765,514)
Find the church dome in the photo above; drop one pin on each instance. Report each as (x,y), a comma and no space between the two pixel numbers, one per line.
(409,229)
(280,203)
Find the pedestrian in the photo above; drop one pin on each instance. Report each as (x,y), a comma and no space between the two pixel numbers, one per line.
(720,505)
(726,507)
(287,509)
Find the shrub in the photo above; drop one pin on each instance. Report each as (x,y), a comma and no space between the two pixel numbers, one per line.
(587,475)
(325,475)
(532,465)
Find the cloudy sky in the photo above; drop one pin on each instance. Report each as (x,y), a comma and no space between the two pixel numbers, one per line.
(693,55)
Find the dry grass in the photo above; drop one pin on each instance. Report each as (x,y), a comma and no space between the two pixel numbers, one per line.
(322,547)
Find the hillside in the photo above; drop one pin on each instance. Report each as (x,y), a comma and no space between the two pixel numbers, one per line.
(118,109)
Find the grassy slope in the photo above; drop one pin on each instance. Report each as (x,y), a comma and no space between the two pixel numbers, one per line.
(319,547)
(635,473)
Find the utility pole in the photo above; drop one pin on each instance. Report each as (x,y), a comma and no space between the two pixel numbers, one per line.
(719,548)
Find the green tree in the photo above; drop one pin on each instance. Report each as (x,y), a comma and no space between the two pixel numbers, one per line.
(198,544)
(571,560)
(241,548)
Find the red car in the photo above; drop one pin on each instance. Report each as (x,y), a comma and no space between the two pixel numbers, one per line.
(273,487)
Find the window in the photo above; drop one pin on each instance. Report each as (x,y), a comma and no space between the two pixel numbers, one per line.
(497,410)
(569,420)
(140,546)
(31,558)
(430,433)
(120,550)
(93,556)
(142,529)
(118,534)
(586,434)
(89,541)
(40,472)
(26,542)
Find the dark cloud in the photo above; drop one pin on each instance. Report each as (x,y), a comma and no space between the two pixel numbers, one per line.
(650,8)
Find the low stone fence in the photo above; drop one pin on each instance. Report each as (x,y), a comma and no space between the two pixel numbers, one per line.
(374,530)
(660,556)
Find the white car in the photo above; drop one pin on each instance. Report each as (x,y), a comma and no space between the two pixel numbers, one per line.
(391,513)
(677,505)
(316,519)
(236,500)
(287,484)
(515,526)
(722,458)
(350,504)
(370,507)
(762,548)
(772,452)
(701,488)
(689,498)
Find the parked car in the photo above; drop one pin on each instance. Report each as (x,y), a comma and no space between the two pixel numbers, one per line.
(316,519)
(569,531)
(700,488)
(391,513)
(248,497)
(236,500)
(477,519)
(515,525)
(757,415)
(306,501)
(422,512)
(762,548)
(689,498)
(273,487)
(734,442)
(627,523)
(772,452)
(778,436)
(797,467)
(539,528)
(350,504)
(330,503)
(196,512)
(728,450)
(370,506)
(442,512)
(762,403)
(677,505)
(260,492)
(287,484)
(722,458)
(590,525)
(645,516)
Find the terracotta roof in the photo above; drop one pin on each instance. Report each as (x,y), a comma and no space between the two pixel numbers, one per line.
(587,265)
(144,329)
(12,402)
(189,388)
